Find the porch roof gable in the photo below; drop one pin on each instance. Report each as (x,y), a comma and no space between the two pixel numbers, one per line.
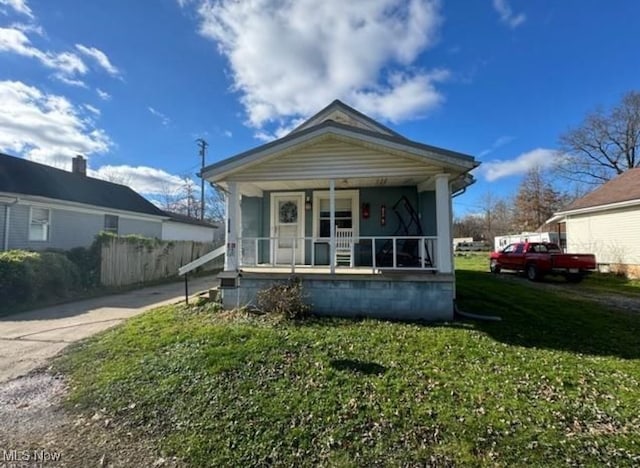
(338,111)
(418,151)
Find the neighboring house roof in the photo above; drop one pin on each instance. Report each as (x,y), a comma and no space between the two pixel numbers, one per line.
(625,187)
(20,176)
(180,218)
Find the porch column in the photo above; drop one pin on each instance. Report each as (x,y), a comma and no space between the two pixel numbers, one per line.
(443,221)
(231,233)
(332,225)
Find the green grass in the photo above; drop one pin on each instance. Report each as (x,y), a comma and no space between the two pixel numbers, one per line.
(555,383)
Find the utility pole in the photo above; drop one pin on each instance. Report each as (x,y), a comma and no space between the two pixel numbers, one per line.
(202,145)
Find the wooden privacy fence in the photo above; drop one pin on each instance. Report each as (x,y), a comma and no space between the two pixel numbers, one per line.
(130,261)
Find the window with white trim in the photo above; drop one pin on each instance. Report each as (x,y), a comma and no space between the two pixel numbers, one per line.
(347,212)
(39,224)
(111,223)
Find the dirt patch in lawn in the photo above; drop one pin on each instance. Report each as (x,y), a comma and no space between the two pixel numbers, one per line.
(37,426)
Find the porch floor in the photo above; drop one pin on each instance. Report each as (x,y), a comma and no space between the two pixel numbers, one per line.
(343,272)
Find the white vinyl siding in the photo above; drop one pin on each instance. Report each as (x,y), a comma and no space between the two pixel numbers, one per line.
(336,159)
(39,224)
(612,235)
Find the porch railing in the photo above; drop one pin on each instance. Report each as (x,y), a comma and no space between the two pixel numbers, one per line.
(379,252)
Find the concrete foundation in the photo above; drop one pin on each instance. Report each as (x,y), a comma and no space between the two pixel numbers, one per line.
(394,296)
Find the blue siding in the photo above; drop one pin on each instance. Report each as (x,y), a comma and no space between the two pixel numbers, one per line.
(428,213)
(251,211)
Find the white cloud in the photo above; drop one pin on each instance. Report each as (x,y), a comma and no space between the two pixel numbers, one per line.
(228,133)
(19,6)
(540,157)
(142,179)
(28,28)
(500,142)
(46,127)
(289,58)
(163,118)
(67,65)
(507,15)
(100,57)
(103,94)
(92,109)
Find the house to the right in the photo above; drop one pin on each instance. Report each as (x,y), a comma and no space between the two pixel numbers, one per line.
(606,222)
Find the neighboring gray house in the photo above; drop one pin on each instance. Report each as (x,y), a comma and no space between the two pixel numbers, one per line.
(42,207)
(359,212)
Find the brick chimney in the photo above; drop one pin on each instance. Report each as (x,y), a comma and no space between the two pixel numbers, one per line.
(79,165)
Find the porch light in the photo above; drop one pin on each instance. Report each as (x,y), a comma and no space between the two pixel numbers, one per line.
(307,203)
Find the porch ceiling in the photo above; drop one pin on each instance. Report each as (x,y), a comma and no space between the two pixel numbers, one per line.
(253,188)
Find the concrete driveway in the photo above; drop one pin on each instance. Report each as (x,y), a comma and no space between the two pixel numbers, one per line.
(28,339)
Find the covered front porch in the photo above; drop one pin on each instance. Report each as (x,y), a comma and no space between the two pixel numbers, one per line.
(340,226)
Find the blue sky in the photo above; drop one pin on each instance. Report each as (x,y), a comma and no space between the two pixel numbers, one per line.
(132,84)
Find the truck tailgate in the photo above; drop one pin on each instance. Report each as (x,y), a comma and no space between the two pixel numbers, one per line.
(573,261)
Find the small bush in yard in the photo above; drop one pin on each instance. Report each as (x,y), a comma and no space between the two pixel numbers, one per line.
(32,276)
(286,299)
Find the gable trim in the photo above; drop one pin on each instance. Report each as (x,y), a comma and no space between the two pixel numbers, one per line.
(339,105)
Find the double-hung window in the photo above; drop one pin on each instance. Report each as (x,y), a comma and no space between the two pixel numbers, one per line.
(111,223)
(39,224)
(346,212)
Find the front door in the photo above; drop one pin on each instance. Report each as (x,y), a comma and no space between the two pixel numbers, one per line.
(287,227)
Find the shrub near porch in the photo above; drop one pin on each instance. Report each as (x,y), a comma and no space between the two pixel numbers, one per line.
(555,382)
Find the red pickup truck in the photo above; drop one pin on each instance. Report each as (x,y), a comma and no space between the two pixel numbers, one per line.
(537,259)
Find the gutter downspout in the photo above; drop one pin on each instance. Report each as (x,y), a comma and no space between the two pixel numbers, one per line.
(7,222)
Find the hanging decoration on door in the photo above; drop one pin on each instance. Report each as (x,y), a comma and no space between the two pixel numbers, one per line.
(288,212)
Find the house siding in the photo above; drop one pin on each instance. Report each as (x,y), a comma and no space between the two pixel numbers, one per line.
(70,229)
(174,231)
(141,227)
(334,159)
(594,233)
(251,208)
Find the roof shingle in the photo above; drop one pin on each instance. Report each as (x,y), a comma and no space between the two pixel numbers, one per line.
(25,177)
(623,188)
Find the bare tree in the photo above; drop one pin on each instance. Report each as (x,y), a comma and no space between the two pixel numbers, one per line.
(604,145)
(215,207)
(495,218)
(536,200)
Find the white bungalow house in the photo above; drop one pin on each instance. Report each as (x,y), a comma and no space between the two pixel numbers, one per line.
(606,222)
(360,213)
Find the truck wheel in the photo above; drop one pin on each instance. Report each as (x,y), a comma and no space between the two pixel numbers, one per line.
(532,272)
(494,267)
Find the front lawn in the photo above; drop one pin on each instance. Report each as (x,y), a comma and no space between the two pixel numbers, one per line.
(556,382)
